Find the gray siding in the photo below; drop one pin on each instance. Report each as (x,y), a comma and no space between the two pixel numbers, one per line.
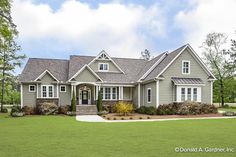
(167,89)
(29,98)
(145,87)
(135,95)
(47,79)
(127,93)
(112,67)
(65,97)
(86,76)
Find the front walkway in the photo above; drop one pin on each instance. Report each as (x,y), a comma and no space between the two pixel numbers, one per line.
(96,118)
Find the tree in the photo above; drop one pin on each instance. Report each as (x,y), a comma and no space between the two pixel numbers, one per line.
(146,54)
(99,101)
(9,59)
(73,102)
(232,54)
(216,59)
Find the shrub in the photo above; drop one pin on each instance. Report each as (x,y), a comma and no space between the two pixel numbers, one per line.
(4,110)
(147,110)
(208,108)
(189,108)
(71,113)
(99,101)
(123,108)
(229,113)
(168,109)
(17,114)
(64,109)
(15,109)
(73,102)
(46,108)
(102,113)
(28,110)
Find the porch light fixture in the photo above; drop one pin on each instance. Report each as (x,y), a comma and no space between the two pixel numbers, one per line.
(85,87)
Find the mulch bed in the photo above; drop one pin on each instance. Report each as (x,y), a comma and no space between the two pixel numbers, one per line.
(135,116)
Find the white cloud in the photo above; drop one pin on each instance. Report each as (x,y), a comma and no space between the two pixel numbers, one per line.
(207,16)
(120,29)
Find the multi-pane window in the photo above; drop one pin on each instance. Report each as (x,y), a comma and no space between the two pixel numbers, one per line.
(186,67)
(194,94)
(47,91)
(103,67)
(31,88)
(107,93)
(62,88)
(44,91)
(189,94)
(182,94)
(114,93)
(149,95)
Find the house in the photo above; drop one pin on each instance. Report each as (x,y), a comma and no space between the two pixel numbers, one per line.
(170,77)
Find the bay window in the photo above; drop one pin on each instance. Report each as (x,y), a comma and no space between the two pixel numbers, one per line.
(188,94)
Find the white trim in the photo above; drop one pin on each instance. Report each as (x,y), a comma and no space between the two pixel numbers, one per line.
(138,95)
(152,67)
(111,92)
(34,89)
(190,84)
(179,93)
(21,95)
(157,92)
(46,71)
(103,52)
(103,67)
(118,85)
(47,91)
(195,54)
(79,71)
(211,99)
(37,90)
(150,95)
(189,67)
(62,86)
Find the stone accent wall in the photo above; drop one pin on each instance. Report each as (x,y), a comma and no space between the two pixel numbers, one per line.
(51,100)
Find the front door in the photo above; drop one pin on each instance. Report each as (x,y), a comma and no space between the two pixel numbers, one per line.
(84,97)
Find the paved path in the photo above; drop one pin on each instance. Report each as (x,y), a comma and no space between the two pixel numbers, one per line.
(96,118)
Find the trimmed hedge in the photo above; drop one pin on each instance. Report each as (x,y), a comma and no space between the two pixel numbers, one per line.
(183,108)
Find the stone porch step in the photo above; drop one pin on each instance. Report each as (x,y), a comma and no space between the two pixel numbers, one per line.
(86,109)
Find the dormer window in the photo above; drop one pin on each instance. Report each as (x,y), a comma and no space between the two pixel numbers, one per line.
(185,67)
(103,67)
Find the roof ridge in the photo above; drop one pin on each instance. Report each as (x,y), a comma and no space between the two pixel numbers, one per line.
(49,59)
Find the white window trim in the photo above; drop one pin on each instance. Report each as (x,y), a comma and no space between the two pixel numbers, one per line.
(103,67)
(110,93)
(179,93)
(62,86)
(34,89)
(47,91)
(150,95)
(189,70)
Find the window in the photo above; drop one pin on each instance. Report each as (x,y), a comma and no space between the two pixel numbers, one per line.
(194,94)
(109,93)
(114,93)
(62,88)
(47,91)
(189,94)
(185,67)
(149,95)
(103,67)
(31,88)
(182,94)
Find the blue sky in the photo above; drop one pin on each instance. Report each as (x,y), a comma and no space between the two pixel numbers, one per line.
(123,28)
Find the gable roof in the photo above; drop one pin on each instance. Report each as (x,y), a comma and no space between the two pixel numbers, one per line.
(36,66)
(109,58)
(133,70)
(82,69)
(44,73)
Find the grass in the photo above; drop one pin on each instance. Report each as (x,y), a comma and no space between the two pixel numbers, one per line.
(62,136)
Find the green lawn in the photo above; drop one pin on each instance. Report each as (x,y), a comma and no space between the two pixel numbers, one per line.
(57,136)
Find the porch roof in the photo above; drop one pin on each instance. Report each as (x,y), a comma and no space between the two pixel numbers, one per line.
(187,81)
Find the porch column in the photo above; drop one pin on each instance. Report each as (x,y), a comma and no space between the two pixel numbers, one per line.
(157,93)
(121,94)
(139,95)
(97,89)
